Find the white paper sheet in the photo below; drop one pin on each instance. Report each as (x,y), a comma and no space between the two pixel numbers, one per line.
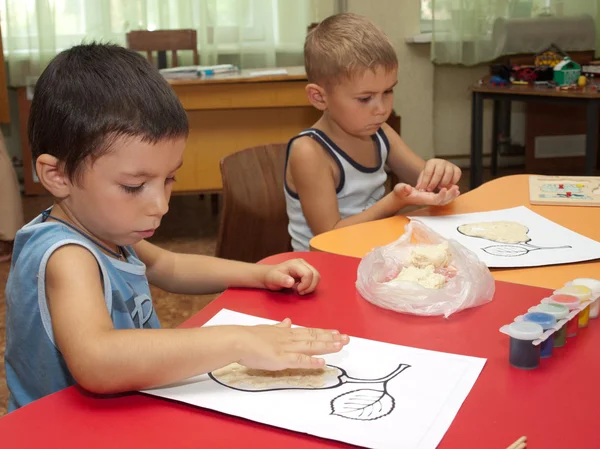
(413,409)
(549,243)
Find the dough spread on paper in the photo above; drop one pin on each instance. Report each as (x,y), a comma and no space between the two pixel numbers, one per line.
(497,231)
(422,264)
(239,375)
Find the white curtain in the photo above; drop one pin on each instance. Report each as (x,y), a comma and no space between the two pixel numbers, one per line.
(466,31)
(249,33)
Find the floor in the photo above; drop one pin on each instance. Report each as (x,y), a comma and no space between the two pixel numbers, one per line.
(189,227)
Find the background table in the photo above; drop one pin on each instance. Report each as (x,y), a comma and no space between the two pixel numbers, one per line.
(507,94)
(553,405)
(500,193)
(226,114)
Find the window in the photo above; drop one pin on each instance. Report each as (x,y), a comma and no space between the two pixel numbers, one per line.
(426,16)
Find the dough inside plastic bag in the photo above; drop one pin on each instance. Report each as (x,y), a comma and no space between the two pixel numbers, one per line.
(423,273)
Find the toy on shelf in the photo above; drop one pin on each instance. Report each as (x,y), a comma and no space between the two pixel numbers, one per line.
(498,81)
(550,57)
(523,74)
(566,72)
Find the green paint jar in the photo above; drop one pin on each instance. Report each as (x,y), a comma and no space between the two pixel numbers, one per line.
(559,312)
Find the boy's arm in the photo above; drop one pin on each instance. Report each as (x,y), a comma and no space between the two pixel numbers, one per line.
(401,159)
(411,169)
(197,274)
(315,186)
(105,360)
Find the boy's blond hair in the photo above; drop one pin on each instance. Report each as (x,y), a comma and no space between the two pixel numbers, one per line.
(345,45)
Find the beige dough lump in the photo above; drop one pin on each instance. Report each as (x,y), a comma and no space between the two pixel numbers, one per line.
(497,231)
(239,375)
(436,255)
(424,276)
(422,263)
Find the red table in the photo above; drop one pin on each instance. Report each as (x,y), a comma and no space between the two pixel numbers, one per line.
(553,405)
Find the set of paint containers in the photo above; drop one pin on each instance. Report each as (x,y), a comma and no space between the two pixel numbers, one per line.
(551,323)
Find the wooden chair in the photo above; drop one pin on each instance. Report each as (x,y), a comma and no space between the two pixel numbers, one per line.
(253,216)
(162,41)
(394,122)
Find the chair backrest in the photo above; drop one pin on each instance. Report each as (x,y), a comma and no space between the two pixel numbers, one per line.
(253,216)
(164,40)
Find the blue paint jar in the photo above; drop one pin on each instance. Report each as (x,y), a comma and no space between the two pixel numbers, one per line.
(559,312)
(522,353)
(547,321)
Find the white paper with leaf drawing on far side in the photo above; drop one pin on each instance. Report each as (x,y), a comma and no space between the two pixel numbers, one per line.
(383,396)
(527,240)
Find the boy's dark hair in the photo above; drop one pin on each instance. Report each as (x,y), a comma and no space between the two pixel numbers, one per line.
(92,94)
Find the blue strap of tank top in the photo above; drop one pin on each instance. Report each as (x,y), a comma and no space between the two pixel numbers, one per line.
(119,255)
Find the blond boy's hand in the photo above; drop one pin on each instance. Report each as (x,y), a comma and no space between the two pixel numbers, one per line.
(295,272)
(279,346)
(411,196)
(438,174)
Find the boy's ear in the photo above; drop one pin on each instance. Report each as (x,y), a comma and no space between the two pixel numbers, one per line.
(51,174)
(316,96)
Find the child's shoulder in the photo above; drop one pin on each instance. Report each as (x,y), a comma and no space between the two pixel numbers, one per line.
(306,147)
(34,240)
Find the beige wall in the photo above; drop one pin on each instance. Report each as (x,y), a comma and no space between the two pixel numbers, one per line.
(452,109)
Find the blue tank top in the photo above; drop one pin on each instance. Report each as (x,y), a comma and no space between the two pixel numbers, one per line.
(34,366)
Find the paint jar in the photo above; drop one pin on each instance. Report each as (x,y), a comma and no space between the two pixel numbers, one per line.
(584,294)
(572,303)
(559,312)
(522,353)
(594,286)
(547,321)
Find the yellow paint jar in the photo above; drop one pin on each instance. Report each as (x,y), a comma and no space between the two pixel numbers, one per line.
(594,285)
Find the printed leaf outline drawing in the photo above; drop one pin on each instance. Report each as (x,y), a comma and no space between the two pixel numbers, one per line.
(506,250)
(509,249)
(365,404)
(382,405)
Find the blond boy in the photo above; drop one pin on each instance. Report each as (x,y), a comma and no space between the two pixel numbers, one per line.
(335,174)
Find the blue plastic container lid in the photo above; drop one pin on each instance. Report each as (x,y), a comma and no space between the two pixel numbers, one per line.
(543,319)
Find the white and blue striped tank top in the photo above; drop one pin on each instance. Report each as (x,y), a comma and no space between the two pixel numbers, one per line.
(359,188)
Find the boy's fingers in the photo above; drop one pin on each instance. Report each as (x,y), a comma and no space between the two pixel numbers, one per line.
(419,185)
(447,178)
(306,280)
(309,280)
(310,334)
(314,347)
(436,176)
(457,173)
(442,195)
(302,361)
(426,176)
(286,322)
(281,279)
(402,189)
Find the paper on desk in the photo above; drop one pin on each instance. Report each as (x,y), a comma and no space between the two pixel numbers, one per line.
(532,240)
(268,72)
(393,396)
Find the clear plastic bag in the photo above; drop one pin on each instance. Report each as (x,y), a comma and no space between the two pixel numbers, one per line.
(469,282)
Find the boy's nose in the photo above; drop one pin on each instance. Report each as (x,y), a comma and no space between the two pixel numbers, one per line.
(379,108)
(160,205)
